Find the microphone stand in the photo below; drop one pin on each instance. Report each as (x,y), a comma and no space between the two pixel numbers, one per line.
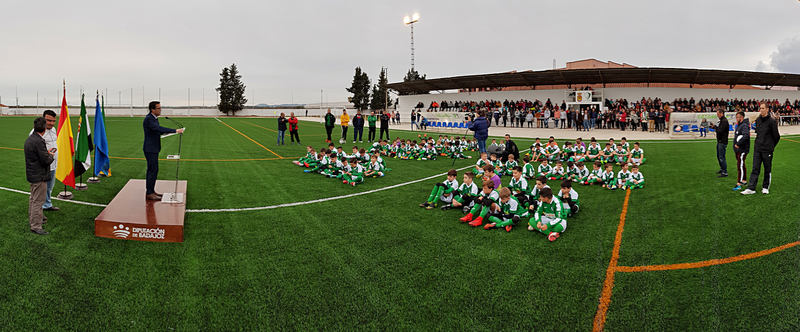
(175,198)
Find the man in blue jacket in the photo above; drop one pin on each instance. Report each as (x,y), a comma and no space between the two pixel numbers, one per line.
(358,127)
(152,146)
(480,126)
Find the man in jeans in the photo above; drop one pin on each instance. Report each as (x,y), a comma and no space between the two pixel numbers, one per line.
(414,120)
(722,142)
(50,136)
(37,171)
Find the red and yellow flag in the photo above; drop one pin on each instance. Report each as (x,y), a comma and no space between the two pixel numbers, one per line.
(65,171)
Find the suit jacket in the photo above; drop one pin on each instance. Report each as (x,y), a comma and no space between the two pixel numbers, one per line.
(152,134)
(37,160)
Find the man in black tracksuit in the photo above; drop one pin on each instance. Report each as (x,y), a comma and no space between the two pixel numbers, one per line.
(330,121)
(767,138)
(385,125)
(722,130)
(741,147)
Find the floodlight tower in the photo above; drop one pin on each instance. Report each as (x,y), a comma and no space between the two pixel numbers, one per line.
(410,22)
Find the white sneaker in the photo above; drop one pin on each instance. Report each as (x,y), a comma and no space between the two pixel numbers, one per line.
(765,191)
(748,192)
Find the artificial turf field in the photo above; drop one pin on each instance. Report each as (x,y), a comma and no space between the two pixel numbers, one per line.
(379,262)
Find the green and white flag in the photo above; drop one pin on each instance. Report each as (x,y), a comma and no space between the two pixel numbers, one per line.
(83,146)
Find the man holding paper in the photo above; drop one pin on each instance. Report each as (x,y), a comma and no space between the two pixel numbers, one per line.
(152,146)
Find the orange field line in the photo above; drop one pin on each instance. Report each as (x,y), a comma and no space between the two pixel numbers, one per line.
(252,140)
(682,266)
(791,140)
(608,284)
(261,159)
(1,147)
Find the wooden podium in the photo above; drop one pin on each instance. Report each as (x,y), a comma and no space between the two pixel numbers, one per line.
(130,216)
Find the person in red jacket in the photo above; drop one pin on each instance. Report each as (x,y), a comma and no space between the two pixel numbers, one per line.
(293,129)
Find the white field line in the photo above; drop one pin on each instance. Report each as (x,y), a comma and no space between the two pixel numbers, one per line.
(55,198)
(262,207)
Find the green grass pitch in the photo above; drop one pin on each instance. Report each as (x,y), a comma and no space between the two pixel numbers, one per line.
(379,262)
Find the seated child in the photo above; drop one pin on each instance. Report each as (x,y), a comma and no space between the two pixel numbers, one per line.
(607,155)
(498,164)
(375,169)
(511,163)
(478,170)
(620,155)
(636,179)
(541,183)
(465,194)
(489,175)
(485,203)
(622,176)
(494,143)
(571,170)
(608,177)
(511,211)
(637,155)
(543,169)
(552,151)
(557,173)
(593,151)
(567,151)
(580,151)
(443,191)
(624,144)
(596,176)
(324,161)
(613,145)
(569,197)
(581,173)
(528,171)
(311,156)
(355,174)
(550,217)
(519,186)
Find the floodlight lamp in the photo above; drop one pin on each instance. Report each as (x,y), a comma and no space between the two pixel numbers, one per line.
(407,20)
(415,17)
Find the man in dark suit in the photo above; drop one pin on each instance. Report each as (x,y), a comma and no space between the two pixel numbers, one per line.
(37,170)
(152,146)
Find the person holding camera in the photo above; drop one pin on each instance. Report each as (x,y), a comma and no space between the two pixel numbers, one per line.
(480,126)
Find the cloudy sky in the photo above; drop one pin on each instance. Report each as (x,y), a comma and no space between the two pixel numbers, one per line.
(290,50)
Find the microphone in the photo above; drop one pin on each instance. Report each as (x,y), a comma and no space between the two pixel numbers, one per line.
(176,122)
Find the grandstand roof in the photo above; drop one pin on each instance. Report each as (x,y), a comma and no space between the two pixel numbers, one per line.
(581,77)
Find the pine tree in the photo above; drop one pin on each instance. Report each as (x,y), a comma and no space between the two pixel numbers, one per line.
(379,93)
(231,90)
(360,90)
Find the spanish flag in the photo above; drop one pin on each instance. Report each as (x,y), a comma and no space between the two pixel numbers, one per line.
(65,171)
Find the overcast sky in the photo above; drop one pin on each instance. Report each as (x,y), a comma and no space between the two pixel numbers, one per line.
(297,48)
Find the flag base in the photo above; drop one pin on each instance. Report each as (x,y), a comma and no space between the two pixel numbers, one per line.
(81,186)
(93,179)
(103,175)
(65,195)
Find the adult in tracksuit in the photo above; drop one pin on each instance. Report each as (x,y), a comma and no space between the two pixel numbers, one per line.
(722,129)
(741,147)
(767,138)
(358,127)
(385,124)
(330,122)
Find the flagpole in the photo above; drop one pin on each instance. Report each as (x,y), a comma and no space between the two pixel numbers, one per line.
(94,179)
(64,194)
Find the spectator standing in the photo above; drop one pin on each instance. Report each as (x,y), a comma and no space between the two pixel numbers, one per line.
(480,126)
(722,130)
(358,127)
(282,122)
(344,120)
(330,122)
(37,170)
(767,138)
(741,147)
(385,124)
(50,136)
(529,119)
(414,120)
(293,128)
(372,120)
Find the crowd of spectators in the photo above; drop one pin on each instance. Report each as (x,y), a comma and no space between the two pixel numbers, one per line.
(646,114)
